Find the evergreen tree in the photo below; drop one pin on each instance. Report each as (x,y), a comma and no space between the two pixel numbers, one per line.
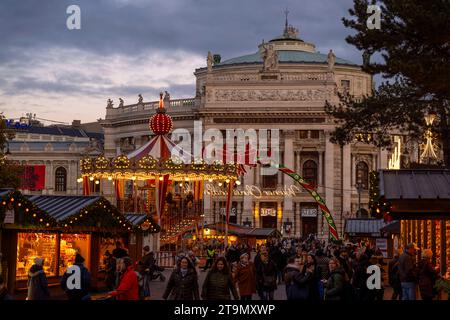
(414,46)
(10,172)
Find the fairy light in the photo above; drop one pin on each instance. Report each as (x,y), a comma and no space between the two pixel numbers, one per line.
(91,178)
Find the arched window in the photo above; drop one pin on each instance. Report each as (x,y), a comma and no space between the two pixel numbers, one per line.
(362,175)
(60,179)
(310,172)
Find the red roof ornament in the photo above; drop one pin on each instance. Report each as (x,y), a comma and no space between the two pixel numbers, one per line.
(161,123)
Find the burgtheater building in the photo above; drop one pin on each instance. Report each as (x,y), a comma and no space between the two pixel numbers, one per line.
(283,85)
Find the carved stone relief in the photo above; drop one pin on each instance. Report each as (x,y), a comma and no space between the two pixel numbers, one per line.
(274,95)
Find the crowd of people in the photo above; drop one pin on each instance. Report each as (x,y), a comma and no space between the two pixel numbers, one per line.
(310,270)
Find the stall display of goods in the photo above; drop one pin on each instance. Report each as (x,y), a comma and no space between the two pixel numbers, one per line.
(70,245)
(35,245)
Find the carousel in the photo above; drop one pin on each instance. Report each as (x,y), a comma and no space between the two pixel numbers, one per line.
(151,180)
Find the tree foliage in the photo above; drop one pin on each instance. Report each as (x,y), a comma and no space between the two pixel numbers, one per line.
(414,44)
(10,172)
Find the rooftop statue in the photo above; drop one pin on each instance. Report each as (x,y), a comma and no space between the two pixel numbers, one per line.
(120,103)
(209,61)
(166,95)
(331,60)
(270,57)
(109,104)
(140,100)
(366,58)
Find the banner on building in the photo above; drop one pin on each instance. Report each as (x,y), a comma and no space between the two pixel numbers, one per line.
(33,178)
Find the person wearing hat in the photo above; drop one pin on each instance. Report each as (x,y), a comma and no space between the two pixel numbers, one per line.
(68,283)
(427,276)
(408,272)
(37,282)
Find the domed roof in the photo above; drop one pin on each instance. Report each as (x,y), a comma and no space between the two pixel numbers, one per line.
(290,49)
(285,56)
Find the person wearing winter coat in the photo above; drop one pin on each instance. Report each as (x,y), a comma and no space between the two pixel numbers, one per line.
(266,277)
(360,276)
(334,289)
(322,264)
(218,283)
(82,293)
(311,275)
(183,282)
(296,289)
(427,276)
(245,277)
(408,272)
(394,278)
(37,282)
(128,288)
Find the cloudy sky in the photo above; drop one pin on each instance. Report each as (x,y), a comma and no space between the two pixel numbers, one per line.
(127,47)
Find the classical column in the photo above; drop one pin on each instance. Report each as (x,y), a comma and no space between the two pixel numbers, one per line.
(289,163)
(383,159)
(256,215)
(329,178)
(320,170)
(346,176)
(248,199)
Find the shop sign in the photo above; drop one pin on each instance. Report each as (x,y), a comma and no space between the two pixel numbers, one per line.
(309,212)
(268,212)
(381,243)
(9,216)
(254,191)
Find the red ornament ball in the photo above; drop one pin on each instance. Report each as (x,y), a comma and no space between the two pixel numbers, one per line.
(161,123)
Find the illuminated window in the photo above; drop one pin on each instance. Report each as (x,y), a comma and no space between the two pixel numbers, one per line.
(362,175)
(310,172)
(61,179)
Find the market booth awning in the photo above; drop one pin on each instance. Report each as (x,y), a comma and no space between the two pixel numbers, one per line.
(364,227)
(248,232)
(416,193)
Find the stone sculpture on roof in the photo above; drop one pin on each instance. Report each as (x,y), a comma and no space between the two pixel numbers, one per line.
(270,57)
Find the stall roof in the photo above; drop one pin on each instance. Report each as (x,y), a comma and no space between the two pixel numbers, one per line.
(135,218)
(244,231)
(364,226)
(4,192)
(415,184)
(62,207)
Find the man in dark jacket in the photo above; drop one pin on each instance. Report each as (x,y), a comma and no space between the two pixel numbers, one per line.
(408,272)
(82,292)
(394,279)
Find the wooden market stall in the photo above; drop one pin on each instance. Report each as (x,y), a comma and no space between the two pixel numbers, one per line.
(56,228)
(420,199)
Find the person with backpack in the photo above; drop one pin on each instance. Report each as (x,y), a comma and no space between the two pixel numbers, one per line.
(81,293)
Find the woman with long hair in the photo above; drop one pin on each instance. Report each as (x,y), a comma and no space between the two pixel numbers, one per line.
(219,283)
(245,277)
(183,282)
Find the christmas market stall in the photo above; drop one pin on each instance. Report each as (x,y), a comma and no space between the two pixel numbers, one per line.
(367,230)
(420,200)
(55,228)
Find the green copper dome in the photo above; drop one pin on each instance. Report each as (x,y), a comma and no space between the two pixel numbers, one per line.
(286,56)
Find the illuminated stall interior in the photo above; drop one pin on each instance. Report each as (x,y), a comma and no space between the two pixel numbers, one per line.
(56,228)
(420,199)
